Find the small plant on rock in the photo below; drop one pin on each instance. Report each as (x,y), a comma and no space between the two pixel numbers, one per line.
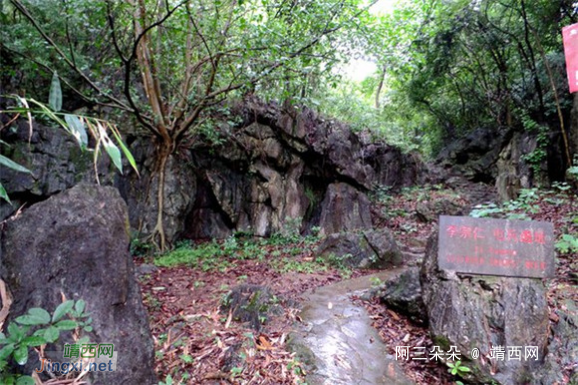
(458,369)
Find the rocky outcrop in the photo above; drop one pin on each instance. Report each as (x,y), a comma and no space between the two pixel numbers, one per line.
(54,158)
(263,166)
(140,191)
(75,244)
(277,166)
(475,154)
(344,209)
(364,249)
(512,158)
(483,311)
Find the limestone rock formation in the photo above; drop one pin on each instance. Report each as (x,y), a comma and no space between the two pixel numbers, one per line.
(344,209)
(76,244)
(54,158)
(265,167)
(478,312)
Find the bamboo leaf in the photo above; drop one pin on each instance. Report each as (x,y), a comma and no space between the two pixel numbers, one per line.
(13,165)
(113,152)
(125,150)
(77,129)
(110,148)
(55,96)
(4,194)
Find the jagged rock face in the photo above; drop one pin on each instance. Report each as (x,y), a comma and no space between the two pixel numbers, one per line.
(76,244)
(284,166)
(54,158)
(484,311)
(510,158)
(281,165)
(140,191)
(344,209)
(475,155)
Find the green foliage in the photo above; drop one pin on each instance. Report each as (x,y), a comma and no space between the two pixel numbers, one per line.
(285,265)
(458,368)
(139,247)
(207,257)
(448,67)
(168,381)
(75,125)
(567,244)
(518,208)
(37,328)
(375,281)
(539,154)
(340,262)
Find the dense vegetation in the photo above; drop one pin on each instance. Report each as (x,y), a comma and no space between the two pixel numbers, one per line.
(448,66)
(444,68)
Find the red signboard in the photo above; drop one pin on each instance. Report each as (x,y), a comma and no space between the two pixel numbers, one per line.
(496,247)
(570,38)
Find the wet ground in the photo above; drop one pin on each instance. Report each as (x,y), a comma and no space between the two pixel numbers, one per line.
(343,346)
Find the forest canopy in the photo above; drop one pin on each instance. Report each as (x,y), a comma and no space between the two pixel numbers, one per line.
(443,67)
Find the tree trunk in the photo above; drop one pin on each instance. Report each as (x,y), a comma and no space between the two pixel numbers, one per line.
(164,151)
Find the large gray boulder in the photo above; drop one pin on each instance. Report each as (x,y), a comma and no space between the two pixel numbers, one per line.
(403,294)
(375,249)
(478,312)
(76,244)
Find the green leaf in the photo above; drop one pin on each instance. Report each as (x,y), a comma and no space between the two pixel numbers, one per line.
(51,334)
(21,355)
(125,150)
(88,329)
(67,325)
(55,97)
(114,153)
(6,351)
(83,341)
(25,380)
(35,316)
(79,306)
(4,194)
(16,332)
(77,129)
(13,165)
(33,341)
(62,310)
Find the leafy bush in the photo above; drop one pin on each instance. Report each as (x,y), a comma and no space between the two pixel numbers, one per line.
(69,315)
